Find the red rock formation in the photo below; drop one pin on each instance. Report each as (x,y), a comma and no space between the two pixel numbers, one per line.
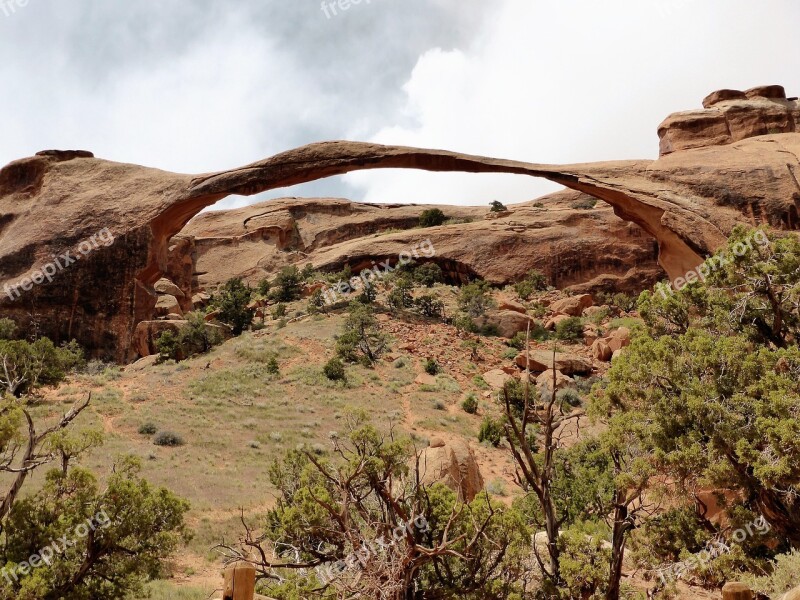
(730,116)
(51,203)
(571,246)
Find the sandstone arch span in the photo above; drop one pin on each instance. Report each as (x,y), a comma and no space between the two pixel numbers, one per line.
(688,201)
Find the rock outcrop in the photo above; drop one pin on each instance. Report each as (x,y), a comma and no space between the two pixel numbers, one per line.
(730,116)
(454,465)
(540,361)
(53,204)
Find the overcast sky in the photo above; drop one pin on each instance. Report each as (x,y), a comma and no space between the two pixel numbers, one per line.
(197,86)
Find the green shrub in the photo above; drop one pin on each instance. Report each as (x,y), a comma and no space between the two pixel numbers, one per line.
(334,370)
(168,346)
(196,337)
(7,329)
(624,302)
(26,366)
(287,285)
(519,341)
(272,366)
(491,431)
(278,311)
(368,295)
(168,439)
(474,299)
(428,274)
(497,206)
(535,281)
(784,577)
(470,404)
(569,396)
(362,339)
(232,303)
(263,288)
(316,302)
(400,297)
(308,273)
(464,322)
(509,353)
(584,204)
(433,217)
(431,367)
(148,429)
(429,306)
(570,329)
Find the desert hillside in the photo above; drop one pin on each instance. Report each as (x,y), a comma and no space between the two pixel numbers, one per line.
(590,394)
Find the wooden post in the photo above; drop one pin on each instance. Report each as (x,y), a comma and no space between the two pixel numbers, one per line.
(240,582)
(736,591)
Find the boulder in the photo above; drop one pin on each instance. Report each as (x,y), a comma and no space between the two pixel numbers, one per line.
(142,364)
(508,304)
(601,351)
(591,311)
(573,306)
(715,98)
(165,287)
(617,354)
(201,299)
(508,322)
(792,594)
(542,360)
(590,333)
(454,465)
(729,116)
(425,379)
(618,339)
(496,378)
(167,305)
(544,382)
(553,323)
(310,288)
(774,92)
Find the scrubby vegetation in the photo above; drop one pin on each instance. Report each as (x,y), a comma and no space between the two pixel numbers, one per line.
(361,340)
(196,337)
(233,305)
(114,536)
(432,217)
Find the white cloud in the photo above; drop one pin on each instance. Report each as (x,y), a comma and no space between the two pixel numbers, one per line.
(575,81)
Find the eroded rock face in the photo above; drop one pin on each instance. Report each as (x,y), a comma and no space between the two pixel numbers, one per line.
(730,116)
(570,246)
(688,201)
